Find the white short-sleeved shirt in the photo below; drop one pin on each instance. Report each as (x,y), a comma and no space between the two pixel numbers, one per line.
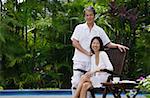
(83,34)
(104,63)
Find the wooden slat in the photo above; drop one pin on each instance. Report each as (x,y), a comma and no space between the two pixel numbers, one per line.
(117,59)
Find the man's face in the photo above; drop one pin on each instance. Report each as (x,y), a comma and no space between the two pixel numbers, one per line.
(89,16)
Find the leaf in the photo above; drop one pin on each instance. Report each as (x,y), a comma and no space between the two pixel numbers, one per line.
(12,63)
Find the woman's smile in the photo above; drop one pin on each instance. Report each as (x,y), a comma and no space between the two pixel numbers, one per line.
(95,45)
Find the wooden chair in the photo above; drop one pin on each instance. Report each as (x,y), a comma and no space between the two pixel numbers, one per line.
(117,59)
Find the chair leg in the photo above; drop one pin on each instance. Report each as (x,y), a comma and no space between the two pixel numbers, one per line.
(92,93)
(104,96)
(105,92)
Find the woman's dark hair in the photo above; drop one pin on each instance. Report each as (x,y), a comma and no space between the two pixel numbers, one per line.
(90,8)
(101,44)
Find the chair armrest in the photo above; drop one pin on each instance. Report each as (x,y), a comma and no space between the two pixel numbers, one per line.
(108,71)
(81,70)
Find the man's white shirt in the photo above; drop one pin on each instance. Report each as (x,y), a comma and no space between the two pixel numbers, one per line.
(83,34)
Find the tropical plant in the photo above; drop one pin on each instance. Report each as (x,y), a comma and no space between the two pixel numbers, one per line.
(144,83)
(35,46)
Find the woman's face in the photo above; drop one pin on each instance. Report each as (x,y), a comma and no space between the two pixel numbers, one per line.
(95,45)
(89,16)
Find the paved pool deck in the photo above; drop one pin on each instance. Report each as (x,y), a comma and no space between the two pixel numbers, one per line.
(60,96)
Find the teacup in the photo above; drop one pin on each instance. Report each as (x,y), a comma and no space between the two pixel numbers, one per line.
(116,79)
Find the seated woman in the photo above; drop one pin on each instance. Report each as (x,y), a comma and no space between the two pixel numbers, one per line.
(99,63)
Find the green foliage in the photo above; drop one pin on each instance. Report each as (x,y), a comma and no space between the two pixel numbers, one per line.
(1,88)
(35,44)
(125,24)
(144,83)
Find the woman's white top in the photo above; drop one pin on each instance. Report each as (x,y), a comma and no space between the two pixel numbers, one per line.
(104,63)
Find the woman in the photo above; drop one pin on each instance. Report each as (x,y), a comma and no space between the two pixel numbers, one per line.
(99,62)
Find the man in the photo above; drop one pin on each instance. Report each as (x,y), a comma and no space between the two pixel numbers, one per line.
(81,40)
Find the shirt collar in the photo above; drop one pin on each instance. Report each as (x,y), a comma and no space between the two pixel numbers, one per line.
(86,26)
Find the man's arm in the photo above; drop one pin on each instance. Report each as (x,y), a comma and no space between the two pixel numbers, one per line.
(77,45)
(119,46)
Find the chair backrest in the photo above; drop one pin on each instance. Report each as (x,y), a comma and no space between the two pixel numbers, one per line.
(117,59)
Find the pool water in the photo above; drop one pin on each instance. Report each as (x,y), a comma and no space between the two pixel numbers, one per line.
(35,92)
(63,93)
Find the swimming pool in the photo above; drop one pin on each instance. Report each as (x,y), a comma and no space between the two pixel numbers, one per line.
(35,92)
(61,93)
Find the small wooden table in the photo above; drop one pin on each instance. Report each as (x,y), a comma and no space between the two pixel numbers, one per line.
(116,89)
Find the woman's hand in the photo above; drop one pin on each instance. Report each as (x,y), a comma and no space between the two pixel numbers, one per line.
(88,74)
(86,77)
